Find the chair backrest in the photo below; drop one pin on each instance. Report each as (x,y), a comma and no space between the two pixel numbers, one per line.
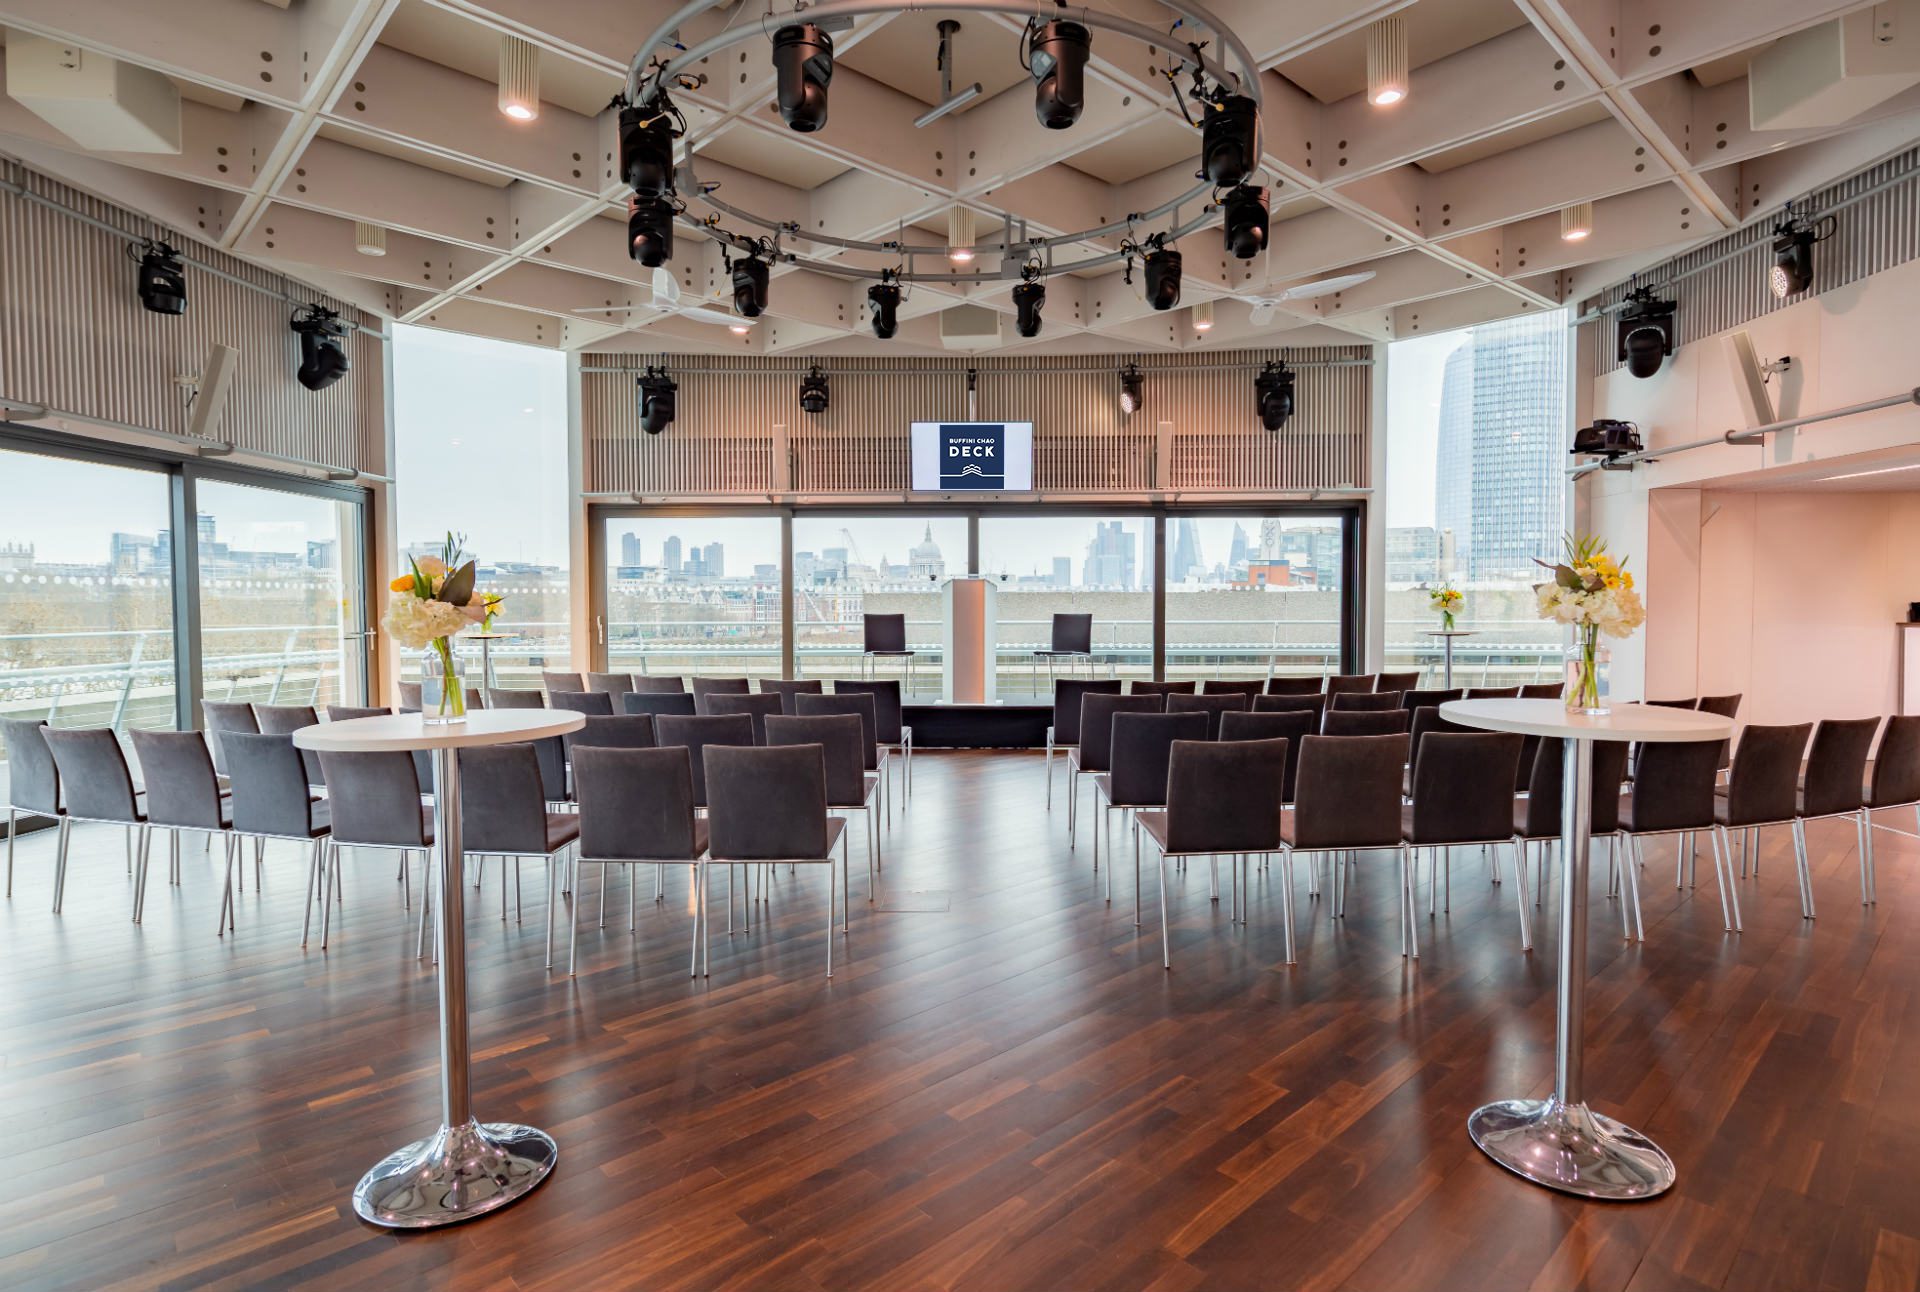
(1288,726)
(1837,766)
(706,686)
(93,772)
(222,716)
(659,705)
(1296,686)
(767,804)
(859,702)
(270,791)
(1690,702)
(1724,706)
(349,712)
(1764,784)
(1097,711)
(888,724)
(1163,688)
(1345,682)
(410,696)
(1249,686)
(1463,787)
(1426,719)
(1210,705)
(1225,797)
(1348,792)
(1396,681)
(552,682)
(1142,743)
(1896,763)
(1067,694)
(1543,690)
(699,734)
(1365,722)
(622,731)
(1364,701)
(1072,633)
(177,771)
(1493,693)
(1421,699)
(33,781)
(1545,788)
(643,684)
(503,802)
(756,707)
(422,759)
(284,720)
(610,683)
(591,703)
(787,688)
(374,799)
(1314,704)
(503,699)
(883,634)
(841,740)
(635,804)
(1673,785)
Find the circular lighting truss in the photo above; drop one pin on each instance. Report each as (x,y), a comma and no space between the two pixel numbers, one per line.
(1017,255)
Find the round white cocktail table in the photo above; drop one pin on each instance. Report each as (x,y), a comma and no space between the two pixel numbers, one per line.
(1559,1141)
(1447,635)
(467,1167)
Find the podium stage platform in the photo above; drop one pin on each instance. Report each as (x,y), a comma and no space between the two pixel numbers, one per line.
(978,726)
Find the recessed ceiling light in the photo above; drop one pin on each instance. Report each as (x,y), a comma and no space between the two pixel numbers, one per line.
(1576,222)
(1387,62)
(519,79)
(960,235)
(739,329)
(1203,316)
(369,239)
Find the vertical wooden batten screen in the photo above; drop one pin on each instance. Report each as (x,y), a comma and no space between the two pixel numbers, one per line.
(723,438)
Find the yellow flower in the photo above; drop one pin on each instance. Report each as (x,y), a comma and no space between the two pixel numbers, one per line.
(404,583)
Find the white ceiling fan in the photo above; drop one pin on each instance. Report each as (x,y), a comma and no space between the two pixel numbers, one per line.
(1264,308)
(666,300)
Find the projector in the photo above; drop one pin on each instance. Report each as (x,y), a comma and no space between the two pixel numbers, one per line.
(1606,438)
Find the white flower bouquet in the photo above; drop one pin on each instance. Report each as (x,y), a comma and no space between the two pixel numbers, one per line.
(1593,594)
(431,603)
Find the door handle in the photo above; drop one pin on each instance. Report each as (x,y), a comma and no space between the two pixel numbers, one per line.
(600,630)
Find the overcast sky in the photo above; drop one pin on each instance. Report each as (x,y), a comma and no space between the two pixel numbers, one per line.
(1414,369)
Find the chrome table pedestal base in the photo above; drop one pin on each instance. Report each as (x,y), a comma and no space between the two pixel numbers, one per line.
(1571,1148)
(455,1174)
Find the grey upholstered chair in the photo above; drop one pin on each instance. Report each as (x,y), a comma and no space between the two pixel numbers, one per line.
(272,800)
(856,702)
(1290,727)
(410,697)
(1536,817)
(551,750)
(1363,701)
(699,733)
(1296,686)
(1346,798)
(787,688)
(182,790)
(884,637)
(223,716)
(756,707)
(503,813)
(620,731)
(1434,696)
(636,806)
(1070,638)
(1064,733)
(610,683)
(850,786)
(1834,784)
(1233,686)
(1463,794)
(422,759)
(1763,788)
(497,698)
(1094,753)
(1895,781)
(702,687)
(1344,683)
(1396,681)
(1427,718)
(1493,693)
(1212,705)
(890,730)
(1163,688)
(1366,722)
(1142,744)
(1313,704)
(551,682)
(1673,794)
(373,801)
(591,703)
(644,684)
(659,704)
(33,781)
(284,720)
(1222,797)
(96,787)
(766,806)
(1543,690)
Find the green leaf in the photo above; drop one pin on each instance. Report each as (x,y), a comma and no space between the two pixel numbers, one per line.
(1566,578)
(458,589)
(422,585)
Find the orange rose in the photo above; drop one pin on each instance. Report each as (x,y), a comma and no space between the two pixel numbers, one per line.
(403,583)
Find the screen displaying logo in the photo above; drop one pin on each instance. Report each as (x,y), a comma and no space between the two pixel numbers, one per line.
(973,455)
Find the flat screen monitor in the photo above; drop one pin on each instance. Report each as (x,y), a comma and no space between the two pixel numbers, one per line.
(983,457)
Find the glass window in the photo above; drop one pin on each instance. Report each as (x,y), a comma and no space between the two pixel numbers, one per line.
(693,596)
(1069,565)
(480,448)
(1476,488)
(280,596)
(845,567)
(1254,596)
(86,594)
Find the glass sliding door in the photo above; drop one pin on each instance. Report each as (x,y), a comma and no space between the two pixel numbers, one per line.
(692,596)
(282,596)
(846,567)
(1048,565)
(1255,596)
(86,593)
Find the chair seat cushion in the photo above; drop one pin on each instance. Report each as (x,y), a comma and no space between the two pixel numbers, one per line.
(1154,822)
(836,826)
(562,829)
(702,833)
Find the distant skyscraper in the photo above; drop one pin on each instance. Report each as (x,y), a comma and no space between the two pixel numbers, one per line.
(1237,554)
(670,554)
(1063,571)
(629,549)
(713,561)
(1111,558)
(1185,561)
(1453,459)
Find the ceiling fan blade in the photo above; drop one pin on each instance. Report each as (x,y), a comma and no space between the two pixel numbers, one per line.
(1262,313)
(713,316)
(616,309)
(666,288)
(1327,286)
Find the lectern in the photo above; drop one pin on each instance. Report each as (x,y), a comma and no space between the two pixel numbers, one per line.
(971,632)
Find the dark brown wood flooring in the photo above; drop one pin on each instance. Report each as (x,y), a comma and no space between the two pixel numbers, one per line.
(1005,1094)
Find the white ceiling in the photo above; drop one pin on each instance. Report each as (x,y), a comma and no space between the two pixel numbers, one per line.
(301,119)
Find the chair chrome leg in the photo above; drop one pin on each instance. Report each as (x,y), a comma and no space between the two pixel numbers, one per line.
(226,894)
(846,889)
(830,888)
(1409,935)
(1866,831)
(1286,904)
(60,863)
(699,912)
(329,877)
(145,849)
(12,823)
(1723,876)
(1166,943)
(1637,931)
(1806,872)
(573,929)
(1520,894)
(553,870)
(1136,874)
(706,919)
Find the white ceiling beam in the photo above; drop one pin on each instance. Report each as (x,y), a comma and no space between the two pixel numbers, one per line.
(1462,309)
(360,185)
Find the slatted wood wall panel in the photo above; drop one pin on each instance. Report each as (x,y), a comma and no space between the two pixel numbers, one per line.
(723,439)
(1873,234)
(74,337)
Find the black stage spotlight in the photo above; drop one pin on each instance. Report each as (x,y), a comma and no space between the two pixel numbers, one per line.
(646,147)
(656,400)
(1245,211)
(1792,271)
(163,280)
(1645,333)
(1273,392)
(1132,390)
(1058,62)
(802,64)
(1163,275)
(323,360)
(650,230)
(1229,138)
(1029,298)
(749,287)
(813,391)
(884,296)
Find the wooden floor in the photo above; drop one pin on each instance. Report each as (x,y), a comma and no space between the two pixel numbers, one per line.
(1000,1088)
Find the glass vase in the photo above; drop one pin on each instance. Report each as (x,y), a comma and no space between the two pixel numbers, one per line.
(1587,663)
(1446,621)
(443,685)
